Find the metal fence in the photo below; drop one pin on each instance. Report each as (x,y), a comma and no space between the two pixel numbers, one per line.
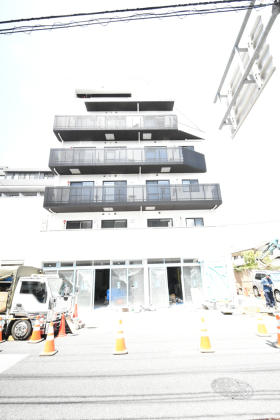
(91,156)
(115,122)
(131,194)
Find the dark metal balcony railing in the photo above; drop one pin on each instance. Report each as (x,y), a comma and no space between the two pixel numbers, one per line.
(120,160)
(132,197)
(81,157)
(115,122)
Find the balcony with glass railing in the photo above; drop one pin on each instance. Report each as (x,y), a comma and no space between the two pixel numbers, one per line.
(132,198)
(117,127)
(123,160)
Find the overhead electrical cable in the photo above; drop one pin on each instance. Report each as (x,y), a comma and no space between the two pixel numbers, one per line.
(123,10)
(127,18)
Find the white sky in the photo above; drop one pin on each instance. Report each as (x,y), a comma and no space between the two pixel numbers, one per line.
(181,59)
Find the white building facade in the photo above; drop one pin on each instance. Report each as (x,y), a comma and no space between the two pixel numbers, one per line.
(130,215)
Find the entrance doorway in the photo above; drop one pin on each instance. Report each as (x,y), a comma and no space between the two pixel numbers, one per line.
(174,284)
(102,284)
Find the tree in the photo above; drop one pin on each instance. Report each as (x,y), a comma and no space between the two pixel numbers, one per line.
(252,261)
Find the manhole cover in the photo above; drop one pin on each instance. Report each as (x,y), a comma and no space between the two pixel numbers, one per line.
(232,388)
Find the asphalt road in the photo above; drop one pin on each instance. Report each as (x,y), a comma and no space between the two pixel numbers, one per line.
(163,376)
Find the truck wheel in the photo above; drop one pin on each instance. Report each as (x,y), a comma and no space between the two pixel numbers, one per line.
(277,295)
(21,329)
(256,292)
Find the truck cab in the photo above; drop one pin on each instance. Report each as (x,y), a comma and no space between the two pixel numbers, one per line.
(24,297)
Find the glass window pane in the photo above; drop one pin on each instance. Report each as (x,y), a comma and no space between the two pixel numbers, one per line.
(73,224)
(158,287)
(86,224)
(192,282)
(160,222)
(84,286)
(118,289)
(136,286)
(190,222)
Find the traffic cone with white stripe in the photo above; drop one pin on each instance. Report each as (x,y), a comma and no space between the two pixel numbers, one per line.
(36,334)
(49,349)
(205,345)
(278,332)
(261,328)
(1,330)
(120,347)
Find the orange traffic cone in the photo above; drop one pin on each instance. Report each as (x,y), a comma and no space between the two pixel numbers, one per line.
(120,347)
(49,349)
(36,334)
(1,331)
(278,332)
(261,328)
(205,345)
(75,312)
(62,328)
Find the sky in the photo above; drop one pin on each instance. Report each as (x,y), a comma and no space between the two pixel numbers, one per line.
(178,58)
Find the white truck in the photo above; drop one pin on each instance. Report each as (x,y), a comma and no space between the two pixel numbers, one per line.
(25,293)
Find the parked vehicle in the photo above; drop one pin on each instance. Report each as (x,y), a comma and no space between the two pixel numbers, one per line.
(275,277)
(25,293)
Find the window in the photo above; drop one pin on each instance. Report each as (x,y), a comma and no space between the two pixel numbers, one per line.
(83,263)
(114,191)
(79,224)
(66,264)
(194,222)
(122,223)
(135,262)
(155,154)
(36,289)
(10,175)
(158,190)
(259,276)
(188,147)
(11,194)
(101,262)
(49,264)
(82,184)
(190,185)
(159,222)
(81,191)
(115,154)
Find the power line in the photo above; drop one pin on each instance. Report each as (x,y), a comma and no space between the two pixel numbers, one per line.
(122,10)
(137,16)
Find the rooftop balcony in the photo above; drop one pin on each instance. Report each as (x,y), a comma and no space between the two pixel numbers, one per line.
(132,198)
(124,161)
(118,127)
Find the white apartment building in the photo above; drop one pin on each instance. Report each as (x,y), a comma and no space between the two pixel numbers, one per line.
(129,217)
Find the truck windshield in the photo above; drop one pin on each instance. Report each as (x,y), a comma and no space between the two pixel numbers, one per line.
(36,289)
(59,286)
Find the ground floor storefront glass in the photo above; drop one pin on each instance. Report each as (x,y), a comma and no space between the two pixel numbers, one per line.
(147,284)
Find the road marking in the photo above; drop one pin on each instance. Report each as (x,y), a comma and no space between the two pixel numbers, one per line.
(8,360)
